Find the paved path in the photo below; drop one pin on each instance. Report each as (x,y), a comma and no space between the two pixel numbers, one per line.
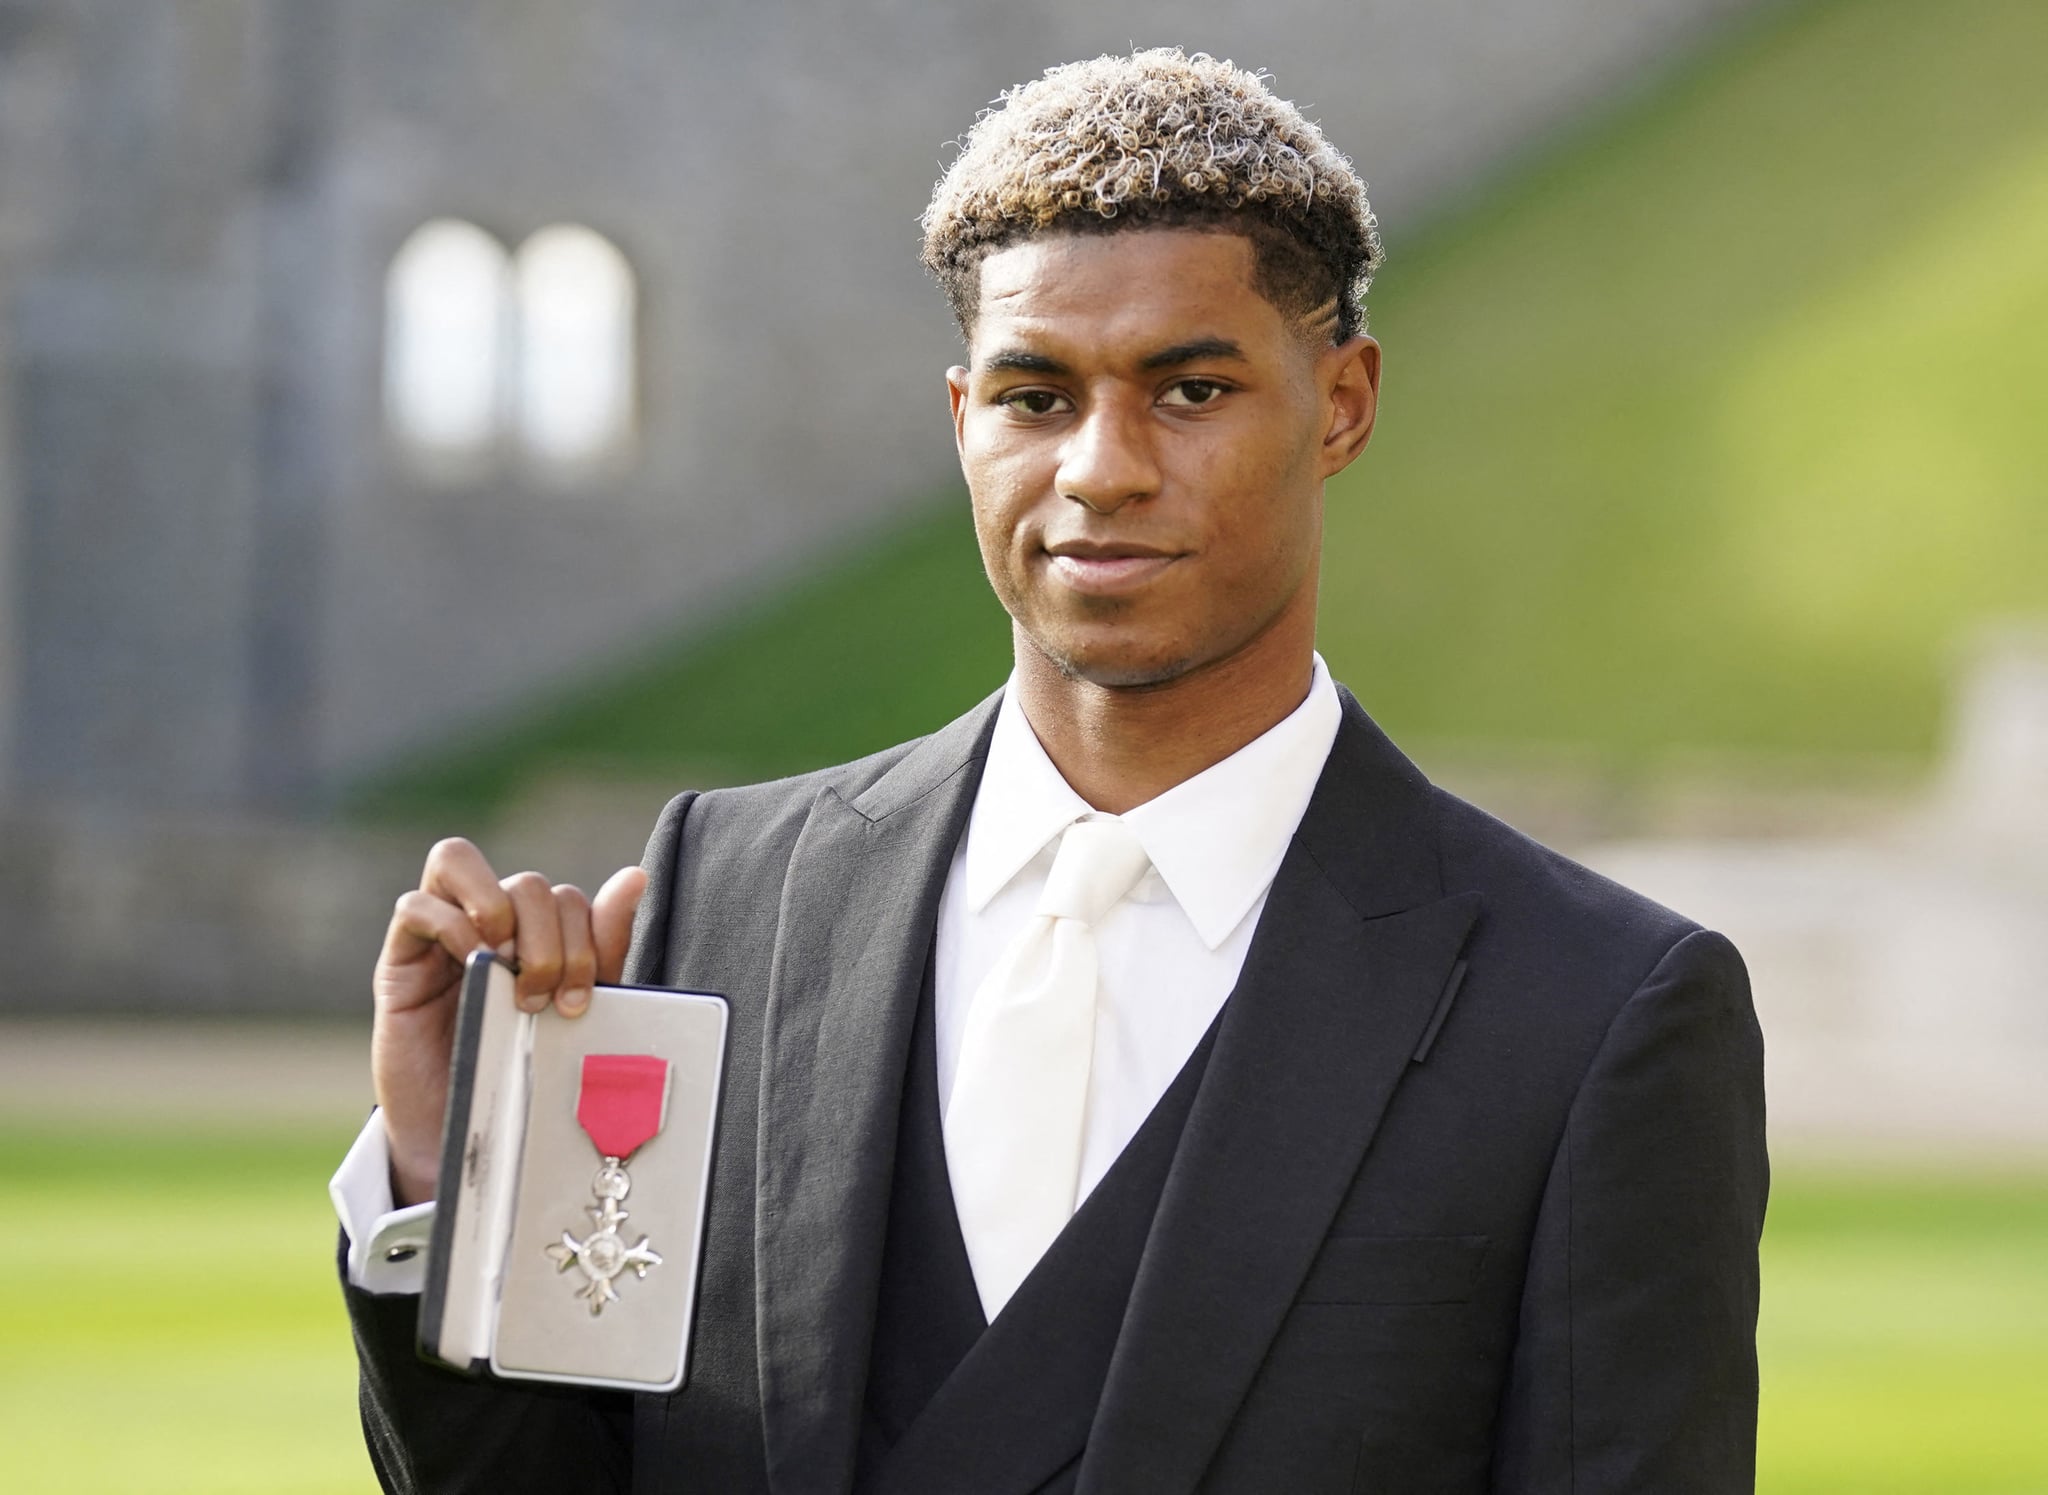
(197,1071)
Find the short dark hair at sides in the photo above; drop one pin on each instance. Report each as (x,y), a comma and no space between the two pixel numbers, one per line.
(1159,139)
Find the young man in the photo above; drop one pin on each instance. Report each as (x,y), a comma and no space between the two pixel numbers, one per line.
(1147,1082)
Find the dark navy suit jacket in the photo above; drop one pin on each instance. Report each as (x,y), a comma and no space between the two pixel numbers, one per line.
(1467,1198)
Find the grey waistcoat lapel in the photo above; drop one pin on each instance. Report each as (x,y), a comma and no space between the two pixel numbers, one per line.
(859,906)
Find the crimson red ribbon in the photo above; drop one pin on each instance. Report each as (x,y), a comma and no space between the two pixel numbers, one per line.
(620,1103)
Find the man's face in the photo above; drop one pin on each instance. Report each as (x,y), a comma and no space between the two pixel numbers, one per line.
(1145,437)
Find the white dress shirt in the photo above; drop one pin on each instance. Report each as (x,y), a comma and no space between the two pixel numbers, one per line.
(1169,953)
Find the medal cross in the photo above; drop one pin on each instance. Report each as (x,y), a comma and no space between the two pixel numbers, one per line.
(603,1255)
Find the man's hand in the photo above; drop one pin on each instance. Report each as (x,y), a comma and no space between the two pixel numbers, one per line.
(565,943)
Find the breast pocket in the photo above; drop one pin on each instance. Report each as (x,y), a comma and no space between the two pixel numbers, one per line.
(1395,1269)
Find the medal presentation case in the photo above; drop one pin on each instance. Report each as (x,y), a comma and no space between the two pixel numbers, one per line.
(575,1171)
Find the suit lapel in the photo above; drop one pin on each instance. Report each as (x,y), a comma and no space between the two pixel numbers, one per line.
(1351,955)
(859,906)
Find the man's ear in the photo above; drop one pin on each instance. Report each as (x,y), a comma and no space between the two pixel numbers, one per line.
(1351,375)
(956,395)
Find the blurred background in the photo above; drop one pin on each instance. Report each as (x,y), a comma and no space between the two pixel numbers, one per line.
(494,417)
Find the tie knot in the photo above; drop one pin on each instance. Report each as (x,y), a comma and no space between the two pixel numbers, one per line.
(1099,861)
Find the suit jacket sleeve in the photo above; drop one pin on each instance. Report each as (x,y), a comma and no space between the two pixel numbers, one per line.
(1635,1362)
(432,1432)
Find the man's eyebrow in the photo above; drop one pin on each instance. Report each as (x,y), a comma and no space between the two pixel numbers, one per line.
(1192,352)
(1025,362)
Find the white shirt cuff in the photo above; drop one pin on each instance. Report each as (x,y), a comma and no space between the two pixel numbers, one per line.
(387,1247)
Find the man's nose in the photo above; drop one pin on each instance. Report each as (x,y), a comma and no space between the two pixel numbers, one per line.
(1107,460)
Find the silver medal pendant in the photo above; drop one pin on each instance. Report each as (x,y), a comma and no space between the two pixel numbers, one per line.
(603,1254)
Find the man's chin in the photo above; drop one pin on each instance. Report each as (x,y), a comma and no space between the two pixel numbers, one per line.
(1115,669)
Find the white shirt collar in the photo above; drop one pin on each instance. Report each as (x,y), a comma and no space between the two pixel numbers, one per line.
(1216,839)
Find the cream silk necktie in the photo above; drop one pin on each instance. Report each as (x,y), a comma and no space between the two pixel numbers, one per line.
(1020,1093)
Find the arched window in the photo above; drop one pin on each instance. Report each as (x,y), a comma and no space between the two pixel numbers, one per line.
(485,351)
(446,316)
(574,370)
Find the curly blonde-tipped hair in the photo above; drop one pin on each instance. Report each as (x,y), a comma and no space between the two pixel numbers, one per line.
(1159,139)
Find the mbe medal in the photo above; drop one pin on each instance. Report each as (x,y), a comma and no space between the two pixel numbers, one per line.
(621,1104)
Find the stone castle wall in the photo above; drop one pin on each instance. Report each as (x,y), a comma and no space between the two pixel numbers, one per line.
(223,586)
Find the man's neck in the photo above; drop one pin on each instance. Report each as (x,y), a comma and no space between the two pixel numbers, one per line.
(1120,746)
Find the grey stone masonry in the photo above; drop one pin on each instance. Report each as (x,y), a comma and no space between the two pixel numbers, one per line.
(224,588)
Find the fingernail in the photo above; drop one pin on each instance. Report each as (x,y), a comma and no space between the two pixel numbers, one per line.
(532,1001)
(573,1000)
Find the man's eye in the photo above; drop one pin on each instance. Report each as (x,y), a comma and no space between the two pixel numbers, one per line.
(1032,401)
(1187,392)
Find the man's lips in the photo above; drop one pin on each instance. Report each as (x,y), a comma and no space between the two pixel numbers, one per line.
(1105,570)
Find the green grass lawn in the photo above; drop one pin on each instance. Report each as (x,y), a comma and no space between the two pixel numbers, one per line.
(1904,1336)
(1714,425)
(168,1319)
(186,1283)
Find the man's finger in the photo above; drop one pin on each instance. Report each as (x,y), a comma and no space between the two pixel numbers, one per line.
(611,919)
(579,954)
(457,871)
(420,922)
(538,938)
